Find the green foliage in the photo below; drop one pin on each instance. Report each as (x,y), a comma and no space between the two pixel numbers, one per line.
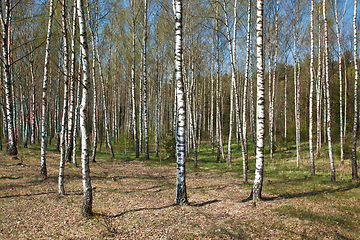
(346,148)
(287,143)
(170,145)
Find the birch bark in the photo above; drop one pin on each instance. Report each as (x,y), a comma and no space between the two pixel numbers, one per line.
(328,119)
(354,172)
(181,195)
(63,134)
(43,170)
(260,110)
(311,150)
(86,209)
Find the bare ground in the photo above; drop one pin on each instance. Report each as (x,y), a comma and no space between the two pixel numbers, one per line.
(135,201)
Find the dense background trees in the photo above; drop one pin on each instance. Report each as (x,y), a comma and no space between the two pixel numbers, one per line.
(308,66)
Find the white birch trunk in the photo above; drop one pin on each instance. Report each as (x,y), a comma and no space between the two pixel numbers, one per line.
(233,72)
(134,117)
(11,148)
(63,134)
(260,110)
(311,150)
(86,209)
(328,119)
(296,97)
(244,102)
(106,120)
(44,97)
(354,172)
(145,83)
(181,195)
(70,132)
(318,102)
(76,117)
(338,34)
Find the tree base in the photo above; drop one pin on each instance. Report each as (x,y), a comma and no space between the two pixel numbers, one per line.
(11,150)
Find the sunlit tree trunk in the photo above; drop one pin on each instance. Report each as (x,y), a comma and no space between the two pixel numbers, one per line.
(69,148)
(181,195)
(145,82)
(311,150)
(244,102)
(272,82)
(134,117)
(11,148)
(318,102)
(296,93)
(106,116)
(328,118)
(63,134)
(260,110)
(44,97)
(76,117)
(232,44)
(86,209)
(338,34)
(354,172)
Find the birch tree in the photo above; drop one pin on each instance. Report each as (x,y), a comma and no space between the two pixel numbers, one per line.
(70,142)
(6,16)
(145,82)
(181,194)
(328,118)
(63,135)
(311,150)
(260,109)
(354,172)
(134,117)
(44,97)
(86,209)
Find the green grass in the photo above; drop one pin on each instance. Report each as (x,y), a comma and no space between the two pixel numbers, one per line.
(310,198)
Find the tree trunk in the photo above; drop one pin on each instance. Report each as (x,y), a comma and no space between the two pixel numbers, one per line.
(181,195)
(134,117)
(145,83)
(328,119)
(44,97)
(311,150)
(86,209)
(69,148)
(11,148)
(63,135)
(260,110)
(354,172)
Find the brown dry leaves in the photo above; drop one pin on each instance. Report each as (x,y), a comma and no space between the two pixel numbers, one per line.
(135,201)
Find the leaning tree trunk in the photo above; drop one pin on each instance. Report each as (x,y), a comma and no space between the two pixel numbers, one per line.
(328,119)
(44,100)
(311,149)
(86,209)
(233,77)
(354,172)
(181,195)
(260,110)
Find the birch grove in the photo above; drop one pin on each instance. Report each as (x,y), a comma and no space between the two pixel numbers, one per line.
(275,78)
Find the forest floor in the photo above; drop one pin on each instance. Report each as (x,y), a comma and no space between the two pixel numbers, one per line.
(134,199)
